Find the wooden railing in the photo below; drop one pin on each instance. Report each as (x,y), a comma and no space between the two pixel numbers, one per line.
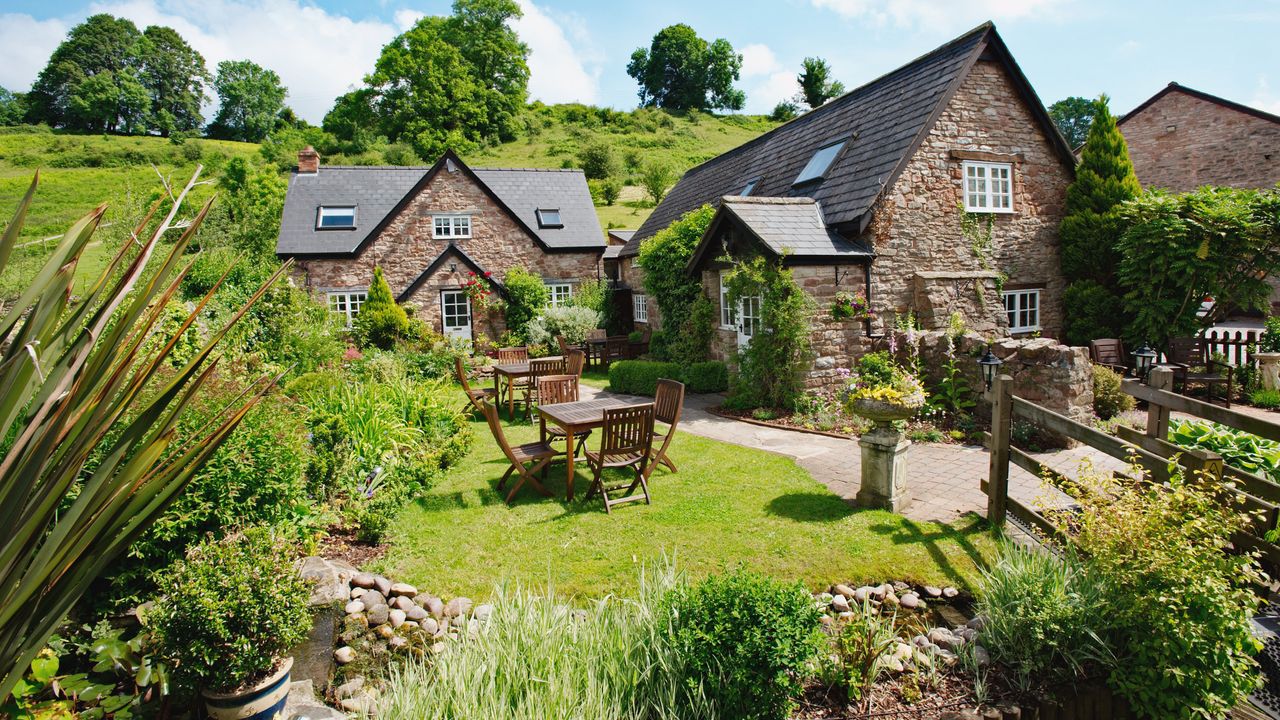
(1149,449)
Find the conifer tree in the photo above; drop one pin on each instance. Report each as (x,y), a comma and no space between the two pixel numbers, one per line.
(381,321)
(1104,179)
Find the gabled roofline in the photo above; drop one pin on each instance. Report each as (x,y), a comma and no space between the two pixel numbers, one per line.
(435,265)
(725,213)
(1175,87)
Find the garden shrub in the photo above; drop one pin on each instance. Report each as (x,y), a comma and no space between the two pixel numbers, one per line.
(1238,448)
(1270,340)
(706,377)
(1109,398)
(1178,604)
(381,321)
(748,638)
(526,296)
(770,367)
(593,294)
(664,258)
(290,332)
(571,321)
(231,609)
(1044,616)
(640,377)
(1265,398)
(693,344)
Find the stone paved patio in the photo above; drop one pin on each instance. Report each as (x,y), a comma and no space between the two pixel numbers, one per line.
(943,481)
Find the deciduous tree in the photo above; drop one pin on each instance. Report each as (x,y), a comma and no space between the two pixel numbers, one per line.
(249,99)
(103,51)
(1074,116)
(816,85)
(682,71)
(174,75)
(656,177)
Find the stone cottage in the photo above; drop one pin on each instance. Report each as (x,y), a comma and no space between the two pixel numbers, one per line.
(935,189)
(434,229)
(1181,139)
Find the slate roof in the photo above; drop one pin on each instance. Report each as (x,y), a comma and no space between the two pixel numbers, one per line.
(612,252)
(1175,87)
(883,122)
(791,225)
(378,191)
(623,235)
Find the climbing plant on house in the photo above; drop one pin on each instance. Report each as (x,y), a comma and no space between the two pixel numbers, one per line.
(771,367)
(664,258)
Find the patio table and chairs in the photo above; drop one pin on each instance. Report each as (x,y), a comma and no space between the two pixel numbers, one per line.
(526,460)
(510,375)
(575,419)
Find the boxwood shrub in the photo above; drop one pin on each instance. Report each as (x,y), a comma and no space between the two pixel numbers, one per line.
(706,377)
(640,377)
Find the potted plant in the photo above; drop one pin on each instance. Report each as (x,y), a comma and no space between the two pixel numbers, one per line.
(1268,354)
(228,614)
(882,391)
(850,306)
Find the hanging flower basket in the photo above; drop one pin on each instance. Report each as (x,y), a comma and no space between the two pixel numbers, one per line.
(851,306)
(882,391)
(477,289)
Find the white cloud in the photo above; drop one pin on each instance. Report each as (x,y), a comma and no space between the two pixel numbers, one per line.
(936,15)
(25,46)
(405,19)
(758,59)
(557,71)
(1264,98)
(764,79)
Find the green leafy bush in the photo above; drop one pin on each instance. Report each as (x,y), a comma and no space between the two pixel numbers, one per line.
(231,610)
(1109,397)
(749,638)
(593,294)
(571,321)
(706,377)
(598,161)
(640,377)
(290,332)
(1265,398)
(1270,340)
(771,367)
(1044,616)
(381,321)
(664,258)
(1237,448)
(693,343)
(527,295)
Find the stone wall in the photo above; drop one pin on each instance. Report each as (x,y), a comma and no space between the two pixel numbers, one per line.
(631,275)
(406,248)
(925,263)
(1181,142)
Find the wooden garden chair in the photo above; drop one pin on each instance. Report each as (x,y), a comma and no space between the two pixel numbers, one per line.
(555,389)
(668,403)
(538,368)
(615,348)
(526,460)
(514,356)
(565,347)
(1109,352)
(474,395)
(595,336)
(626,439)
(1192,364)
(574,363)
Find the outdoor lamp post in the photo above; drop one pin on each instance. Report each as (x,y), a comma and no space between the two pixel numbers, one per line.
(990,365)
(1143,358)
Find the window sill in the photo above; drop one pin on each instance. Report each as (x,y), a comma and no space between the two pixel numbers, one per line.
(989,211)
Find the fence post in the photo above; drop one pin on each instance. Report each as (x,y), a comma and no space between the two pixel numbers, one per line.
(1157,415)
(998,476)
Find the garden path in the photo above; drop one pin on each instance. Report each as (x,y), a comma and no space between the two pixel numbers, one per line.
(944,479)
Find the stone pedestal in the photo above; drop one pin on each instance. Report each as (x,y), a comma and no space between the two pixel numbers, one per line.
(884,469)
(1269,369)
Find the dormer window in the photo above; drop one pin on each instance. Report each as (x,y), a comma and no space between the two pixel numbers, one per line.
(749,187)
(450,226)
(549,218)
(336,217)
(821,161)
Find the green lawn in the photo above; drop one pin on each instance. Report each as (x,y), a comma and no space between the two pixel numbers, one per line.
(728,505)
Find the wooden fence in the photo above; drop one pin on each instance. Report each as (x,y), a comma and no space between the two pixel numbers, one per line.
(1233,343)
(1149,448)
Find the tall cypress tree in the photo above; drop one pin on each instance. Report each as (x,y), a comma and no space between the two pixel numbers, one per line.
(1104,179)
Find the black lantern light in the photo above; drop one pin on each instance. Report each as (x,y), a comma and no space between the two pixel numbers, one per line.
(453,267)
(1143,358)
(990,364)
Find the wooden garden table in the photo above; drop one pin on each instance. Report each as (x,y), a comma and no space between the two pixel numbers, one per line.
(574,418)
(512,372)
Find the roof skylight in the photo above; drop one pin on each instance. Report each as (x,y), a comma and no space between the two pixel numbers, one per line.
(549,218)
(820,162)
(750,187)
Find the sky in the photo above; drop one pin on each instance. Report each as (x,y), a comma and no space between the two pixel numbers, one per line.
(580,48)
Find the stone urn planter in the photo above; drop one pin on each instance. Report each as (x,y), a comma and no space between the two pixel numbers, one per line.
(263,701)
(1269,369)
(884,455)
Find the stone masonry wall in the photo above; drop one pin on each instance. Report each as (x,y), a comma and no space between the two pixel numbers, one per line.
(925,263)
(1181,142)
(631,275)
(406,248)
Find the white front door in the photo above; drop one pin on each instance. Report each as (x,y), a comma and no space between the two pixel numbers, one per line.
(455,309)
(748,319)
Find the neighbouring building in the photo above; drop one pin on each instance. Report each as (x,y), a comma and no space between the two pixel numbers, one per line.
(434,229)
(1181,139)
(933,190)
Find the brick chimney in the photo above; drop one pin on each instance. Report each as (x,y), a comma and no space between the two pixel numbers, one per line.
(308,160)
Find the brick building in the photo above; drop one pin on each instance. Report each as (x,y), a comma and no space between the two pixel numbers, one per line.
(937,188)
(432,229)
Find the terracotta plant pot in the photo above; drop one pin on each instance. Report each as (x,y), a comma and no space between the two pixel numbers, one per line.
(1269,369)
(263,701)
(880,411)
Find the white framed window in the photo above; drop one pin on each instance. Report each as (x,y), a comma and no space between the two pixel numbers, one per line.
(451,226)
(640,306)
(336,217)
(1023,309)
(988,187)
(347,303)
(559,294)
(728,313)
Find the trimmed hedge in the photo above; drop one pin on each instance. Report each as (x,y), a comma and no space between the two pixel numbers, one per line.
(707,377)
(640,377)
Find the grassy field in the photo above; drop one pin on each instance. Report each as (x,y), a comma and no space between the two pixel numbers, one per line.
(728,505)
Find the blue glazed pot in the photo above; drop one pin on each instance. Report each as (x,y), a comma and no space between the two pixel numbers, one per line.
(264,701)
